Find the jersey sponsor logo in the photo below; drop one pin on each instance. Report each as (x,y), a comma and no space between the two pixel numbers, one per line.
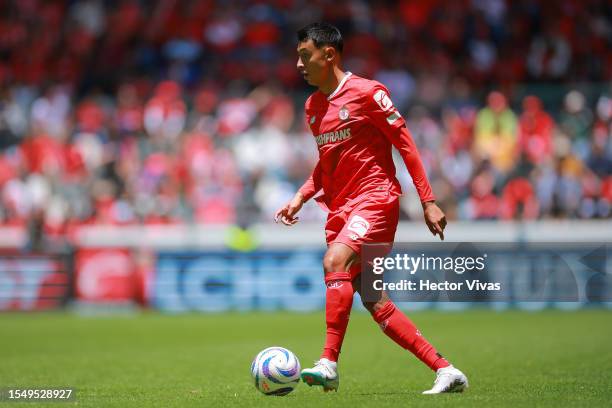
(343,113)
(358,225)
(332,137)
(383,100)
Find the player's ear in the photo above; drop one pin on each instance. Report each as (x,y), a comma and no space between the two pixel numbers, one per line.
(330,54)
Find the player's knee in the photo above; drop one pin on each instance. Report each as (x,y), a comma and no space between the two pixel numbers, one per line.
(373,307)
(334,262)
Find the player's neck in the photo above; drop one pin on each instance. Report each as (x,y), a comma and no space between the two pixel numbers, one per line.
(332,83)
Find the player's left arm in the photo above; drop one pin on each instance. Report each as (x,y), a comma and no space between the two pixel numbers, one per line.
(392,125)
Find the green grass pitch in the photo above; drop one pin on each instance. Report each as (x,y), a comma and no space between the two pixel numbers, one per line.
(512,358)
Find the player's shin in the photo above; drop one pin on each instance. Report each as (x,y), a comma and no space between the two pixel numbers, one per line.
(401,330)
(338,303)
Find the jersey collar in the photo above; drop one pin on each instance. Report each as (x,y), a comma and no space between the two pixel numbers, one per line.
(347,74)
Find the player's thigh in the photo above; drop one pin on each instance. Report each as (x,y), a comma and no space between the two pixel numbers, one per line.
(370,222)
(333,226)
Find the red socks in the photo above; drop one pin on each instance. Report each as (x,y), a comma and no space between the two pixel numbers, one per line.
(401,330)
(394,323)
(338,303)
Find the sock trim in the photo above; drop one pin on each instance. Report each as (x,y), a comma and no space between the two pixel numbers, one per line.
(384,312)
(337,276)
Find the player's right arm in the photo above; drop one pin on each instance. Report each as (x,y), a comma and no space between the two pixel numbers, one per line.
(287,213)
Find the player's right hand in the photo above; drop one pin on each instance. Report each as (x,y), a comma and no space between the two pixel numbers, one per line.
(286,214)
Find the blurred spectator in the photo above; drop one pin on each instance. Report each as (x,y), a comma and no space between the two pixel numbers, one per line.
(535,131)
(519,200)
(495,134)
(549,55)
(483,204)
(576,121)
(569,188)
(164,114)
(176,112)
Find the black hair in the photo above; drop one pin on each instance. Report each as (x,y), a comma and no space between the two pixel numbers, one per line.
(321,34)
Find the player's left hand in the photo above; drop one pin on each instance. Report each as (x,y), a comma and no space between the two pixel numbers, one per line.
(434,218)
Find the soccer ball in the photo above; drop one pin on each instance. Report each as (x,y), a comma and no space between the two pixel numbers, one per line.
(276,371)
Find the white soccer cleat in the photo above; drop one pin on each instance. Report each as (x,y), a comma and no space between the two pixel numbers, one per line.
(324,373)
(448,379)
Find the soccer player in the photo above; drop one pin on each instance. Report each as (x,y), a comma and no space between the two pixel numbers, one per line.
(354,124)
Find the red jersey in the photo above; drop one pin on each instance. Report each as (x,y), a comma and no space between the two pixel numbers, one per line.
(354,128)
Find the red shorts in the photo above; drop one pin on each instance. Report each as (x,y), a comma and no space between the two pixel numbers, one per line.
(373,220)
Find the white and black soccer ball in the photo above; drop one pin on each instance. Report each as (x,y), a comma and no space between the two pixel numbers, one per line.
(276,371)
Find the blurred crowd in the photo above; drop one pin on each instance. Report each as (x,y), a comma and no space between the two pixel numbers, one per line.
(126,111)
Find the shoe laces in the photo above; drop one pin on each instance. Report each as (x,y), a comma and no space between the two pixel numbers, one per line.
(324,366)
(442,374)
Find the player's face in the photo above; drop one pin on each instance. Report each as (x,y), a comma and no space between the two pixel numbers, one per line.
(313,63)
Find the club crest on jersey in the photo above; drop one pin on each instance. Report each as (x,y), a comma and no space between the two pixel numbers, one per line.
(358,225)
(343,113)
(312,119)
